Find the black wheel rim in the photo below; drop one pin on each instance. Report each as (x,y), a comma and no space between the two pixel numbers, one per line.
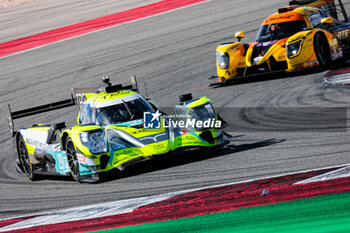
(24,157)
(72,160)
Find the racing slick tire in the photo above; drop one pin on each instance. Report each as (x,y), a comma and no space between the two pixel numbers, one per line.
(23,155)
(321,49)
(72,160)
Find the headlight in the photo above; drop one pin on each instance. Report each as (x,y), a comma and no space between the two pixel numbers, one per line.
(293,49)
(94,140)
(223,60)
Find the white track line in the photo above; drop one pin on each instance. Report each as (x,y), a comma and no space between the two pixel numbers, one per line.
(339,173)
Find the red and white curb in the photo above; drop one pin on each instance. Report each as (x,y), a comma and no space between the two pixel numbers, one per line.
(337,77)
(93,25)
(336,174)
(186,203)
(87,212)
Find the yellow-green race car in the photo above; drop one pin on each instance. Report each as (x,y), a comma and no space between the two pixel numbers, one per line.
(116,127)
(295,38)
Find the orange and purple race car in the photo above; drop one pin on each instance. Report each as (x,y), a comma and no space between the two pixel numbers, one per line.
(303,35)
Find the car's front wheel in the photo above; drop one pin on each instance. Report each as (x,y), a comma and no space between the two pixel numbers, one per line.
(27,166)
(321,49)
(72,159)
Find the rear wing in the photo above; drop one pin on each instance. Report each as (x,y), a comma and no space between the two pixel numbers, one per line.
(78,96)
(35,110)
(332,7)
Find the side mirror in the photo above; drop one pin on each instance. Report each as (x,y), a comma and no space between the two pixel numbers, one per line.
(327,20)
(239,35)
(185,97)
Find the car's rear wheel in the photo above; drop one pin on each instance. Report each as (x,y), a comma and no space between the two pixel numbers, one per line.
(321,49)
(24,159)
(72,159)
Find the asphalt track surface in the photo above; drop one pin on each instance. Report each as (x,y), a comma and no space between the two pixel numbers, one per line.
(43,15)
(172,53)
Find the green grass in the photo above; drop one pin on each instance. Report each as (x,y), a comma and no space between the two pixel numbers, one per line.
(328,213)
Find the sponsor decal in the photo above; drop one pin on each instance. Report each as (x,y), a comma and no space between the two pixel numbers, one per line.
(35,143)
(312,63)
(279,17)
(266,43)
(81,158)
(80,98)
(343,34)
(60,157)
(158,146)
(336,52)
(182,132)
(333,42)
(155,138)
(116,147)
(62,162)
(257,59)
